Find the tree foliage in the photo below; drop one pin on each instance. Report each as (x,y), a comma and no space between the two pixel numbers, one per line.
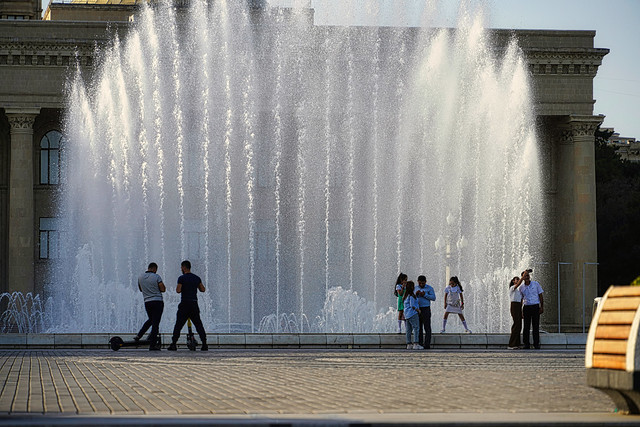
(618,215)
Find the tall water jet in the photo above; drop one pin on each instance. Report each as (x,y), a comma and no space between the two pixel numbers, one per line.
(299,168)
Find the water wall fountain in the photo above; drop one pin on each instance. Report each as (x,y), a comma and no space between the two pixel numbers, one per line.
(299,168)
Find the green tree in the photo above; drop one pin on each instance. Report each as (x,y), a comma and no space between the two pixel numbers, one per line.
(618,215)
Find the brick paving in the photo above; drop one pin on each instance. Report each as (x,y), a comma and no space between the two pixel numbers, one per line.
(271,382)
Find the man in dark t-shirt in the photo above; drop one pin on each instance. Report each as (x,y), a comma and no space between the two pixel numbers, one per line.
(188,286)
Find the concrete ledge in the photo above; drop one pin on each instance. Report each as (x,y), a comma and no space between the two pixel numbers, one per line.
(94,340)
(497,340)
(41,340)
(553,340)
(366,341)
(473,341)
(13,340)
(313,340)
(392,340)
(576,340)
(286,340)
(69,340)
(446,341)
(259,340)
(310,340)
(340,340)
(232,340)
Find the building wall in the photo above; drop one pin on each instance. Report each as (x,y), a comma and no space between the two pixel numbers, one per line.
(20,9)
(88,12)
(4,199)
(44,195)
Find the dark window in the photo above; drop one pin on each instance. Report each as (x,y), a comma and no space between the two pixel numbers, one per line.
(49,238)
(50,160)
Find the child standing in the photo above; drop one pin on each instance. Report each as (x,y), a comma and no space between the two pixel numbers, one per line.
(412,316)
(454,303)
(399,292)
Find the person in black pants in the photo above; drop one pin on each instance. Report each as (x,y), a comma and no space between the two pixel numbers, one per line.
(515,296)
(533,302)
(425,294)
(151,286)
(188,286)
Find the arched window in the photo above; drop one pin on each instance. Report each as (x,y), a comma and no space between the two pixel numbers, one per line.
(50,157)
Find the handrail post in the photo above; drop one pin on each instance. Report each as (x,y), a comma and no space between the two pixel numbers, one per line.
(584,307)
(559,264)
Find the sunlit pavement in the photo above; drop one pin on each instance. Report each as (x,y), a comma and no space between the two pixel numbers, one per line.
(56,387)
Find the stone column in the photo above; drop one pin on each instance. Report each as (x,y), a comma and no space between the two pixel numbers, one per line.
(21,201)
(581,248)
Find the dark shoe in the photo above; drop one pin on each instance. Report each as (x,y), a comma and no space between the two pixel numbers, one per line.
(136,338)
(537,347)
(154,348)
(204,347)
(172,347)
(526,347)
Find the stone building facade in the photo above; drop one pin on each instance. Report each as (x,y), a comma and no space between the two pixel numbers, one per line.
(626,147)
(35,57)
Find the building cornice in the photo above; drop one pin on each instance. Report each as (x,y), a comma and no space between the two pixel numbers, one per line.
(581,61)
(52,54)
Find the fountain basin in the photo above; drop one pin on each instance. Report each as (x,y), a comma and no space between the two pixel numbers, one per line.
(291,341)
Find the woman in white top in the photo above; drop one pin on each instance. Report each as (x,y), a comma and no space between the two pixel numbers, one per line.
(515,296)
(454,303)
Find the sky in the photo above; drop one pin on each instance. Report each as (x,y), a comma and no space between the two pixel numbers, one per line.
(616,22)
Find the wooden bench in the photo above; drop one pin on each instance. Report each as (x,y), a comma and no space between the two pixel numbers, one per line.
(612,354)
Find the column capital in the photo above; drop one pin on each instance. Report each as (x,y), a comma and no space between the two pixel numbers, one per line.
(577,126)
(21,119)
(580,126)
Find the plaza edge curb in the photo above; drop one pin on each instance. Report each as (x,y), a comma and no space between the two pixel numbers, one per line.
(288,341)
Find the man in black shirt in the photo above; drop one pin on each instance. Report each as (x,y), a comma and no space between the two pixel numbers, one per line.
(188,286)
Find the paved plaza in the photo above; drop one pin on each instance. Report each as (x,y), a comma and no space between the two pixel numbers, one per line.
(379,385)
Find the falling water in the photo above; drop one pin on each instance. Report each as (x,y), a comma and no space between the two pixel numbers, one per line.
(22,313)
(298,168)
(374,143)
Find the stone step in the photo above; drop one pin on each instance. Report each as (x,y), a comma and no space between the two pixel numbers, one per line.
(329,341)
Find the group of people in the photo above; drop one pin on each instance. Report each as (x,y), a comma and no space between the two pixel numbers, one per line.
(527,303)
(414,308)
(152,287)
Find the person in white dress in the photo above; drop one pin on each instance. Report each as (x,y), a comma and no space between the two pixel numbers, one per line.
(454,303)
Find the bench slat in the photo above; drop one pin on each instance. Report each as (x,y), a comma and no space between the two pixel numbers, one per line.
(630,303)
(610,346)
(615,332)
(609,361)
(616,317)
(624,291)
